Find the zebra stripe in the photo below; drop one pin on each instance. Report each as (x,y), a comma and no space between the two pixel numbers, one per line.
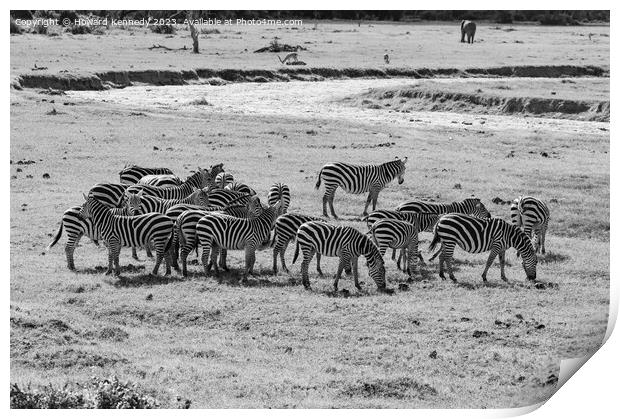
(532,215)
(345,242)
(146,204)
(223,179)
(226,232)
(139,230)
(358,179)
(75,227)
(397,234)
(476,235)
(132,174)
(224,197)
(161,181)
(241,188)
(111,194)
(284,231)
(202,178)
(471,206)
(279,192)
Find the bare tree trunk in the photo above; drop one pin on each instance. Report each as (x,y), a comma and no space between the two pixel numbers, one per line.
(193,32)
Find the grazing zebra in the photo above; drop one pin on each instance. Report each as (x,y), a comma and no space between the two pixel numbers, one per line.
(132,174)
(284,231)
(202,178)
(223,179)
(111,194)
(397,234)
(279,192)
(161,181)
(345,242)
(358,179)
(471,206)
(227,232)
(532,215)
(476,235)
(76,227)
(144,204)
(241,188)
(138,230)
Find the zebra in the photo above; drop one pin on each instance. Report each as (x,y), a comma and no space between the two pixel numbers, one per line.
(284,231)
(241,188)
(227,232)
(279,192)
(476,235)
(225,197)
(358,179)
(75,227)
(397,234)
(532,215)
(161,181)
(144,204)
(137,230)
(345,242)
(471,206)
(202,178)
(132,174)
(223,179)
(111,194)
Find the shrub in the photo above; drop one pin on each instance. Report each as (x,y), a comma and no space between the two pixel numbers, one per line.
(15,27)
(163,29)
(80,29)
(207,31)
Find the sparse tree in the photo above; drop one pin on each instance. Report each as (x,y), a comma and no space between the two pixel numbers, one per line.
(193,32)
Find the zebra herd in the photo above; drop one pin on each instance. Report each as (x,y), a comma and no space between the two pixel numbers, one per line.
(152,208)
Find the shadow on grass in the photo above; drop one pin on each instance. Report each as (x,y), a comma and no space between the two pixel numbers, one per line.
(98,270)
(145,279)
(551,257)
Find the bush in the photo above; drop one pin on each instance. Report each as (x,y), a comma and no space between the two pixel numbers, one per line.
(80,29)
(163,29)
(15,27)
(97,394)
(556,19)
(40,29)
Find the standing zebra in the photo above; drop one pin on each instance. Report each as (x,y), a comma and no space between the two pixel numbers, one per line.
(111,194)
(345,242)
(202,178)
(161,181)
(217,231)
(279,192)
(240,187)
(532,215)
(139,230)
(132,174)
(358,179)
(225,197)
(145,204)
(397,234)
(76,227)
(476,235)
(284,231)
(471,206)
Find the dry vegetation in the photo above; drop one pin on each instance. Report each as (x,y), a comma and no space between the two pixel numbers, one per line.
(271,343)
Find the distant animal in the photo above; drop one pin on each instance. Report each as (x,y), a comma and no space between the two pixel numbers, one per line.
(132,174)
(397,234)
(468,28)
(290,58)
(135,231)
(279,192)
(386,58)
(476,235)
(531,215)
(284,231)
(471,206)
(345,242)
(161,181)
(359,179)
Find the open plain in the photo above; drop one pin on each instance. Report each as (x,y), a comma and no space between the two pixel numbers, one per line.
(270,343)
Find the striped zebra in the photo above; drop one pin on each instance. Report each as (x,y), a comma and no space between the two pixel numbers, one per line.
(225,197)
(202,178)
(476,235)
(284,231)
(223,179)
(145,204)
(161,181)
(132,174)
(471,206)
(345,242)
(532,215)
(111,194)
(138,230)
(227,232)
(358,179)
(279,192)
(397,234)
(75,227)
(241,188)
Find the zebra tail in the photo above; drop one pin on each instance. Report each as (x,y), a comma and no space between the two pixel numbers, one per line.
(462,23)
(435,255)
(180,235)
(169,244)
(374,237)
(318,181)
(49,246)
(296,251)
(435,242)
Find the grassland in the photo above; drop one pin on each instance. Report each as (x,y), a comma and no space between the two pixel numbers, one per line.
(270,343)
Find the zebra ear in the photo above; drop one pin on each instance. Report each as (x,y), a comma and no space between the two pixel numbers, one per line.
(405,160)
(140,193)
(85,197)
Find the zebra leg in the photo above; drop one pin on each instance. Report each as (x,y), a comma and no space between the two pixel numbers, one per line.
(502,263)
(318,264)
(543,236)
(355,273)
(305,263)
(282,251)
(72,242)
(114,250)
(325,199)
(147,247)
(215,250)
(448,251)
(365,213)
(158,259)
(250,259)
(206,250)
(441,261)
(330,193)
(345,260)
(183,255)
(492,256)
(134,253)
(174,250)
(223,253)
(412,253)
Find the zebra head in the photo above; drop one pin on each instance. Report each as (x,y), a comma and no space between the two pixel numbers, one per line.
(134,201)
(374,261)
(525,250)
(400,167)
(87,209)
(254,207)
(481,211)
(198,197)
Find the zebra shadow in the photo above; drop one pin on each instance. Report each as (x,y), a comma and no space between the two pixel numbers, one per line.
(123,281)
(99,270)
(234,277)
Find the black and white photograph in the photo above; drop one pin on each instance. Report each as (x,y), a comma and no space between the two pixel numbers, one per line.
(306,209)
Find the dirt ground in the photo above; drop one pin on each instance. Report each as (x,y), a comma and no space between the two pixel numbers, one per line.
(270,343)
